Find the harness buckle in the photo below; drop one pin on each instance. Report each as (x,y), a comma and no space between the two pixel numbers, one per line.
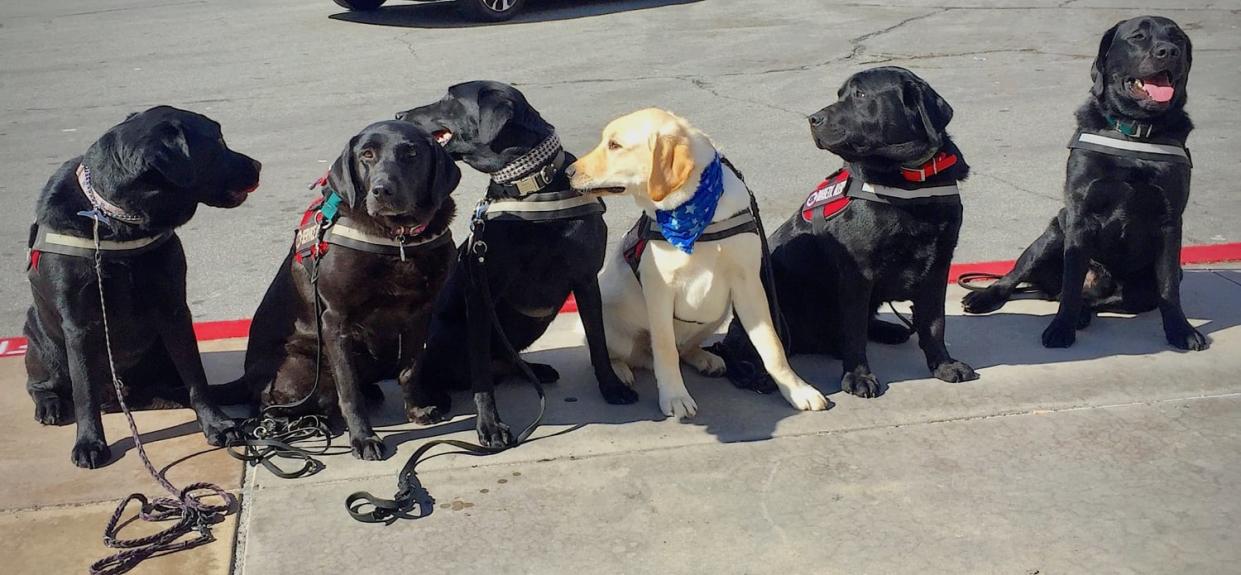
(401,239)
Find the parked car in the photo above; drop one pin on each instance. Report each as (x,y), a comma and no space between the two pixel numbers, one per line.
(486,10)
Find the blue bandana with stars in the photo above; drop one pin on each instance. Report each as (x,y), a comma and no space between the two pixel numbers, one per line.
(682,226)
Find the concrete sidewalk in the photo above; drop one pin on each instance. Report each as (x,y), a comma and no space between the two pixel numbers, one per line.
(1117,455)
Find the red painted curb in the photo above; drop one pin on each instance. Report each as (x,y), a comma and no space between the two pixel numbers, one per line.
(228,329)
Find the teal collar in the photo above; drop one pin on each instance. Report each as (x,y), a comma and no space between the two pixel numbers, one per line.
(1131,129)
(331,205)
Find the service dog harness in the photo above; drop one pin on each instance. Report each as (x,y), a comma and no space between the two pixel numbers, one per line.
(1132,140)
(46,240)
(322,225)
(830,198)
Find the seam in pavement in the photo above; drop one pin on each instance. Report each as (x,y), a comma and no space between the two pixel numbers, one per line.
(238,562)
(1226,278)
(966,418)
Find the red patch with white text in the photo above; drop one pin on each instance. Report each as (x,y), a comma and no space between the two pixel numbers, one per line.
(304,240)
(828,198)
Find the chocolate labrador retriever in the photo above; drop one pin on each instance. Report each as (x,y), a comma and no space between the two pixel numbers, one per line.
(138,183)
(1116,245)
(881,228)
(379,248)
(545,241)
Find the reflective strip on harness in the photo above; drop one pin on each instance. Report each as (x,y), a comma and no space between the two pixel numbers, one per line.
(544,206)
(55,242)
(1159,151)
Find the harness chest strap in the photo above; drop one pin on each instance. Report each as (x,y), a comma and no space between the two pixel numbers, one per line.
(45,240)
(320,227)
(543,206)
(1154,150)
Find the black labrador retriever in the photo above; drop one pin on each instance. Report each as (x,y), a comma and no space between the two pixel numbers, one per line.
(379,245)
(544,241)
(882,228)
(138,182)
(1116,245)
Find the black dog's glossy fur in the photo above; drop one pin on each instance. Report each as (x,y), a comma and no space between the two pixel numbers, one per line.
(1116,244)
(391,175)
(831,277)
(531,267)
(159,164)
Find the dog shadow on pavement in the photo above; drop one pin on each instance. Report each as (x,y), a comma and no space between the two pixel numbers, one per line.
(445,15)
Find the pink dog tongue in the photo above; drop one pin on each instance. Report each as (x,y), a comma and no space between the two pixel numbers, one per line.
(1158,89)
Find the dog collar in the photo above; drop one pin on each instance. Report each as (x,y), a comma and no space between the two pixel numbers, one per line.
(534,170)
(936,164)
(1153,150)
(682,226)
(541,207)
(101,208)
(1131,129)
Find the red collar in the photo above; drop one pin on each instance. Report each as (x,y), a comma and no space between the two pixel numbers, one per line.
(942,161)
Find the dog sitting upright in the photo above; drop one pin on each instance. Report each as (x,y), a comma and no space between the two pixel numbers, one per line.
(139,182)
(693,255)
(1116,245)
(880,229)
(544,241)
(379,243)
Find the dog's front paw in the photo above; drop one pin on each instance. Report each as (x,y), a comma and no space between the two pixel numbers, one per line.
(705,362)
(90,453)
(545,373)
(494,435)
(616,392)
(220,429)
(1059,334)
(862,383)
(1187,338)
(677,404)
(367,447)
(954,372)
(434,410)
(985,301)
(50,410)
(804,397)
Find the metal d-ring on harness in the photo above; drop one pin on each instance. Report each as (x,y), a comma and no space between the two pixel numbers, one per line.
(409,491)
(185,505)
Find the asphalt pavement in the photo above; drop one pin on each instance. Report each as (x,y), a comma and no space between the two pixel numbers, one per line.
(292,80)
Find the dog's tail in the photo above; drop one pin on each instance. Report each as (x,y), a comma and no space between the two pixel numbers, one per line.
(742,364)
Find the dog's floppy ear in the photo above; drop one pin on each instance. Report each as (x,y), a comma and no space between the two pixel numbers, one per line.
(932,109)
(169,154)
(1098,71)
(445,175)
(671,164)
(343,176)
(495,109)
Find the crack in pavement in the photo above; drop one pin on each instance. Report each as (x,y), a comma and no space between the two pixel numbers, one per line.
(1057,199)
(703,85)
(885,58)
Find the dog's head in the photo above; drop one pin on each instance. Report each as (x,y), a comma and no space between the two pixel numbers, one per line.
(161,163)
(1142,67)
(651,154)
(394,173)
(486,124)
(884,115)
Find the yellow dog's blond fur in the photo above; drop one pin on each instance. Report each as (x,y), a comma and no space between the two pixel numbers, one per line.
(657,158)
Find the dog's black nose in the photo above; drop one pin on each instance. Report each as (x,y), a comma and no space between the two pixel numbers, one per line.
(381,191)
(817,120)
(1166,50)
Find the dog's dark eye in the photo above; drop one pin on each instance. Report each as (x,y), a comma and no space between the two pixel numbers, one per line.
(367,154)
(1138,36)
(612,145)
(858,93)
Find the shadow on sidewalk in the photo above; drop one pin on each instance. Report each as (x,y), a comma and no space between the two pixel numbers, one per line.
(445,14)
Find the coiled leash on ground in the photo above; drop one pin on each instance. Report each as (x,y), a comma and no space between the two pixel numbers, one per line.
(185,505)
(410,492)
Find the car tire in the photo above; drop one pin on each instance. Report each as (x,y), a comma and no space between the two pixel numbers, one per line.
(490,10)
(360,5)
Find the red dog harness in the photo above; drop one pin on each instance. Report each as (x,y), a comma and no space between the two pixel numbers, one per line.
(833,195)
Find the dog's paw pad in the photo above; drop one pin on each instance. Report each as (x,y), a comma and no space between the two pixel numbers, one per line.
(679,406)
(955,372)
(90,454)
(807,398)
(861,384)
(367,447)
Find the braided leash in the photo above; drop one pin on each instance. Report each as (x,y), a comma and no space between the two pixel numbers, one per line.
(186,505)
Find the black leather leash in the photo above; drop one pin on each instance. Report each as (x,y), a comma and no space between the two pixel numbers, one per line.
(410,492)
(269,436)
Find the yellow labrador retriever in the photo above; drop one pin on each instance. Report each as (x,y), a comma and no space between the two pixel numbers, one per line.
(660,304)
